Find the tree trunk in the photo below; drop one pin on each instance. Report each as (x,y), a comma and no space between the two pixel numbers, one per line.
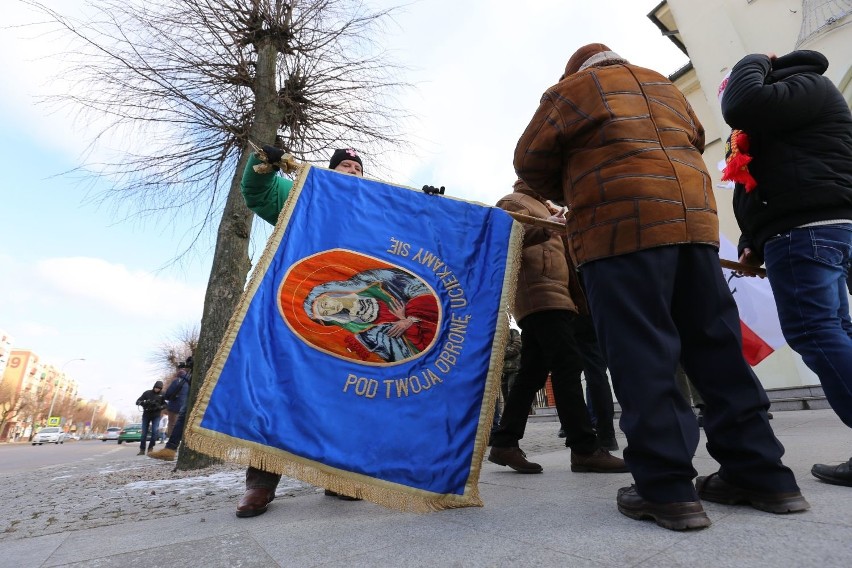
(231,263)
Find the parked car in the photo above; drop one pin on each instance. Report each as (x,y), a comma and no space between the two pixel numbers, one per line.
(111,433)
(49,435)
(130,433)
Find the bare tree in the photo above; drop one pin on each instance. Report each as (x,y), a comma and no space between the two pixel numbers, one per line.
(17,406)
(176,350)
(12,403)
(195,80)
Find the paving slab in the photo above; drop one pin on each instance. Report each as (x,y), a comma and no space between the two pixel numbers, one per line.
(557,518)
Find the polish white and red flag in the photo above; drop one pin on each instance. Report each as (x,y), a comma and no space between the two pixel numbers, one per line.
(758,316)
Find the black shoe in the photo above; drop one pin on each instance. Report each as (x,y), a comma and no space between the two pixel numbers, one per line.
(834,474)
(714,488)
(515,458)
(561,433)
(769,415)
(342,497)
(673,516)
(700,418)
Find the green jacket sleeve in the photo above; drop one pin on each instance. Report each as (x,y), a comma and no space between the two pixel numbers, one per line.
(265,194)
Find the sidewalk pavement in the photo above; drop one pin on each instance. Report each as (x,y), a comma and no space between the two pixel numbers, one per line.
(557,518)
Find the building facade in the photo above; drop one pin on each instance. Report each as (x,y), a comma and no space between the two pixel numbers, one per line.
(29,391)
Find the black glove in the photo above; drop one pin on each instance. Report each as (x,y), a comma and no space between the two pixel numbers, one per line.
(432,190)
(273,155)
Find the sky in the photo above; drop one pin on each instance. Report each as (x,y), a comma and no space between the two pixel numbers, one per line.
(80,280)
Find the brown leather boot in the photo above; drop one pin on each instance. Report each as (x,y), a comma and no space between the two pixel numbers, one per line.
(260,491)
(255,501)
(515,458)
(599,461)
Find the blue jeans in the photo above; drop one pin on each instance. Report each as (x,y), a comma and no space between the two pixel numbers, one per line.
(150,424)
(807,269)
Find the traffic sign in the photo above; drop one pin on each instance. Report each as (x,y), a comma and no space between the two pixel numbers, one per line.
(53,421)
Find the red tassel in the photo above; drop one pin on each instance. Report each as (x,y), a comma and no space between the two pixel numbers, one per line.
(737,160)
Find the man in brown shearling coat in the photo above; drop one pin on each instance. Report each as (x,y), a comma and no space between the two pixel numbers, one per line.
(547,315)
(621,146)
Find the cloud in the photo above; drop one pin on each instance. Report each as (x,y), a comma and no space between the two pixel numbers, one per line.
(133,292)
(35,329)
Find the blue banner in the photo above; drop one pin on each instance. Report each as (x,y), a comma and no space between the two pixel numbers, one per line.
(365,356)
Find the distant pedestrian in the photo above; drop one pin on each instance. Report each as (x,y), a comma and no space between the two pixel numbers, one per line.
(511,364)
(152,404)
(176,395)
(169,452)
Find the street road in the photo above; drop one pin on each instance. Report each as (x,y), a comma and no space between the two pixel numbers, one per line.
(23,456)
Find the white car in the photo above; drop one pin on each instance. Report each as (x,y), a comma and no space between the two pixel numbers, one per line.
(111,433)
(49,435)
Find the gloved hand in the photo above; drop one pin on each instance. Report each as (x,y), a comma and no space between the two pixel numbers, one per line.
(273,155)
(432,190)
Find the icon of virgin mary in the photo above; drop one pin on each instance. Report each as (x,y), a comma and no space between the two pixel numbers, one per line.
(389,312)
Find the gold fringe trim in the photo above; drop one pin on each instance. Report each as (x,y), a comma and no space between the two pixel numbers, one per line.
(387,494)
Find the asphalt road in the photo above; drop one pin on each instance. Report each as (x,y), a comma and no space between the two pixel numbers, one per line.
(23,456)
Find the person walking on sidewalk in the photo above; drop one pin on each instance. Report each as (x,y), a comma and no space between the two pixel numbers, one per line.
(547,315)
(621,147)
(169,452)
(793,203)
(176,395)
(152,403)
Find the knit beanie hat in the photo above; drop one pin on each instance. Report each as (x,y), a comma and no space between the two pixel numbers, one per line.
(344,154)
(158,384)
(581,55)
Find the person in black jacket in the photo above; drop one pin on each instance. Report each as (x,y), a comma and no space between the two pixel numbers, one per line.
(793,204)
(152,403)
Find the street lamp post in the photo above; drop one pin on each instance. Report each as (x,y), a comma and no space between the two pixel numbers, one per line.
(95,409)
(56,386)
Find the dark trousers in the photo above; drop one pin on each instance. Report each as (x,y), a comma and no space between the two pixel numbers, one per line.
(548,347)
(150,424)
(177,431)
(652,309)
(598,391)
(259,479)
